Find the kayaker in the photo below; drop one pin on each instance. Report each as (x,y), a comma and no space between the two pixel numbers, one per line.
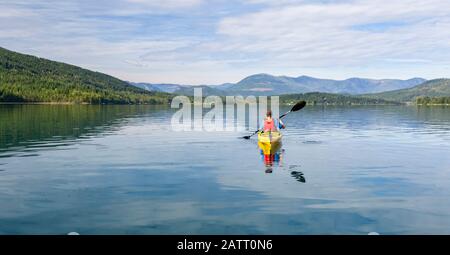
(271,124)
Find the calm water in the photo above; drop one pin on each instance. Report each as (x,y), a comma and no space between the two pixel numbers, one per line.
(121,170)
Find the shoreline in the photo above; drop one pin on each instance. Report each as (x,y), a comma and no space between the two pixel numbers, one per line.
(432,104)
(46,103)
(284,104)
(62,103)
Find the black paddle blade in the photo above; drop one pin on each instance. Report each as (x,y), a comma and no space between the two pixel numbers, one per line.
(246,137)
(298,106)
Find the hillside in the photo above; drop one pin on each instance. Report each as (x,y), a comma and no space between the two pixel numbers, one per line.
(265,84)
(268,84)
(316,98)
(432,88)
(25,78)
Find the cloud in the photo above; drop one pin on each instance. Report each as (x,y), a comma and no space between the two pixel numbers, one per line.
(325,34)
(168,3)
(271,2)
(197,41)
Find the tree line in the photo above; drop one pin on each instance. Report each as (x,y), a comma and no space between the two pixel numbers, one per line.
(25,78)
(433,100)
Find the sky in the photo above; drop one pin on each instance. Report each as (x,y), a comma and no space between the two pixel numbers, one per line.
(218,41)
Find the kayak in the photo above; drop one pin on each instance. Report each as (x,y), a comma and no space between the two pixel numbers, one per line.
(269,142)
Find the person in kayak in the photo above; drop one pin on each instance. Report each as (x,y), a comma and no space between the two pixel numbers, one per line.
(271,124)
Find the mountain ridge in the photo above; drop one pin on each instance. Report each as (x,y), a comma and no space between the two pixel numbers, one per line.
(26,78)
(266,84)
(432,88)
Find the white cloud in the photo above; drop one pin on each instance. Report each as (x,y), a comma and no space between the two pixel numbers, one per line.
(168,3)
(324,35)
(158,41)
(272,2)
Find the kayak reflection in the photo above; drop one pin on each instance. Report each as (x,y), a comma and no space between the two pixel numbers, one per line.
(270,148)
(271,160)
(269,144)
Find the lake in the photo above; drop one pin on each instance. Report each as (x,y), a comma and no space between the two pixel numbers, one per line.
(122,170)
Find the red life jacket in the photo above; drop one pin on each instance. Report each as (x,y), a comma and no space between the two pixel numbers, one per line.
(269,125)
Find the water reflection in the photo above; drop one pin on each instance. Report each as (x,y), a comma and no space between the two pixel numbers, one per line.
(272,154)
(28,129)
(122,170)
(271,160)
(269,145)
(298,176)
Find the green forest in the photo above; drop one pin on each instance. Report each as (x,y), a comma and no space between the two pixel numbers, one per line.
(30,79)
(316,98)
(25,78)
(439,89)
(433,100)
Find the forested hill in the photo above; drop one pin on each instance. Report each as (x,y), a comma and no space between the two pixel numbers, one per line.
(317,98)
(25,78)
(438,88)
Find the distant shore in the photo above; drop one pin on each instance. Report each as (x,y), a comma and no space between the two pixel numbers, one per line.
(281,103)
(62,103)
(432,104)
(55,103)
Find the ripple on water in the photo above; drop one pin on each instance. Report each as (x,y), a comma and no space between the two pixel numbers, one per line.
(28,155)
(8,155)
(312,142)
(379,167)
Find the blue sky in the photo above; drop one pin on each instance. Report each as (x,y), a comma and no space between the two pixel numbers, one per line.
(217,41)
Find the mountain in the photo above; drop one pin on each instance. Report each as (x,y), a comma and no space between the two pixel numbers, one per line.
(224,86)
(266,84)
(432,88)
(187,90)
(167,88)
(206,91)
(362,86)
(277,85)
(25,78)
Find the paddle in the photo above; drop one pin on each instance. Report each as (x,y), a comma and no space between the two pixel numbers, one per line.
(296,107)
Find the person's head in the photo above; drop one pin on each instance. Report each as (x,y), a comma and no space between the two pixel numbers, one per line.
(269,114)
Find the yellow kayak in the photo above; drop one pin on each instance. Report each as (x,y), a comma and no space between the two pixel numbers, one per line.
(269,142)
